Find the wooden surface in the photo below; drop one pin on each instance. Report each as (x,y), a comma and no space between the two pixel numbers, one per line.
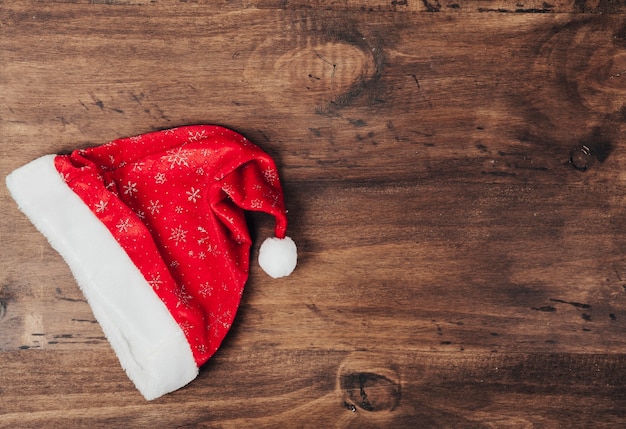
(454,173)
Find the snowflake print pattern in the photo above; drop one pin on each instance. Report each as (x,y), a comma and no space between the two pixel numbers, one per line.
(156,281)
(177,158)
(205,289)
(101,206)
(184,298)
(130,188)
(186,327)
(270,175)
(169,178)
(160,178)
(123,225)
(194,137)
(179,235)
(193,195)
(211,248)
(223,318)
(154,207)
(203,239)
(228,189)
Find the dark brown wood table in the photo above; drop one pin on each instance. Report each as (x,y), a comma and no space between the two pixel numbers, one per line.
(455,178)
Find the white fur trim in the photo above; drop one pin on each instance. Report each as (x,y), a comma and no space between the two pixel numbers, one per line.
(278,257)
(149,344)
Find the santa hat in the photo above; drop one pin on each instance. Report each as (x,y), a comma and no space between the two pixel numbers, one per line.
(153,229)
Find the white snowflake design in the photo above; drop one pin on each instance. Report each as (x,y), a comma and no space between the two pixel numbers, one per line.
(154,206)
(275,199)
(228,189)
(256,204)
(177,158)
(130,188)
(160,178)
(194,137)
(179,209)
(203,239)
(211,248)
(101,206)
(223,317)
(123,225)
(205,289)
(270,175)
(156,281)
(184,298)
(179,235)
(193,195)
(186,327)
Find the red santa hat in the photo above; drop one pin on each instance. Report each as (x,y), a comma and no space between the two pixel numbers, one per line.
(153,229)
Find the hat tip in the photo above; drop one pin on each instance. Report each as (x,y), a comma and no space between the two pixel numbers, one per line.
(278,257)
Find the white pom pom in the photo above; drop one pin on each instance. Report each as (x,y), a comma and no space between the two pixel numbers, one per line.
(278,257)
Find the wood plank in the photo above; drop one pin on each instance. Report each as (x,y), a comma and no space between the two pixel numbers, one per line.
(326,389)
(428,6)
(454,183)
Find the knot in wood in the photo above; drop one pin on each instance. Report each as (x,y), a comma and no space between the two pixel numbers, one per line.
(581,157)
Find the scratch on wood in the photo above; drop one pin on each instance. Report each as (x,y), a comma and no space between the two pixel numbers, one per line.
(417,82)
(3,308)
(70,299)
(575,304)
(313,308)
(321,57)
(85,320)
(263,134)
(545,308)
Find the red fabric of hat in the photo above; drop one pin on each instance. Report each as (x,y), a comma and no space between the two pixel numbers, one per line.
(153,228)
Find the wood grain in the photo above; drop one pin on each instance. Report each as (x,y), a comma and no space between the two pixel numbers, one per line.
(454,178)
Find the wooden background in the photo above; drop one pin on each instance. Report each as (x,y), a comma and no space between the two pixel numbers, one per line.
(455,178)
